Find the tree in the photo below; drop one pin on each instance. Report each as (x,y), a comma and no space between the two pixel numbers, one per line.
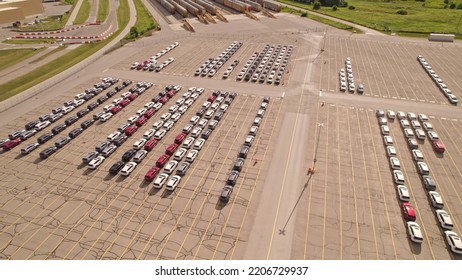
(317,5)
(134,32)
(334,8)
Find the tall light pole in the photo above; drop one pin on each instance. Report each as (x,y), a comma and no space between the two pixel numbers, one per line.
(320,126)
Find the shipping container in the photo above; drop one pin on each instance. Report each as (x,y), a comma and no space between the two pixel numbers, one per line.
(271,5)
(255,6)
(193,10)
(182,11)
(167,5)
(441,37)
(207,5)
(197,6)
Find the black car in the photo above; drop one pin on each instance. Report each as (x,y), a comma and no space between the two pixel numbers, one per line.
(232,178)
(120,140)
(101,99)
(118,88)
(44,117)
(156,98)
(61,142)
(82,112)
(71,120)
(127,82)
(86,124)
(75,132)
(226,194)
(88,96)
(115,168)
(200,112)
(88,157)
(45,137)
(128,155)
(57,129)
(238,164)
(47,152)
(31,125)
(100,147)
(111,93)
(93,105)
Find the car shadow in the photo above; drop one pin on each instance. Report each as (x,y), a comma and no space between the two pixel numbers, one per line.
(143,184)
(166,194)
(121,178)
(154,191)
(81,165)
(38,160)
(20,155)
(108,177)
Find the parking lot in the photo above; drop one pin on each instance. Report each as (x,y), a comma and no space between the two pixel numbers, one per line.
(58,208)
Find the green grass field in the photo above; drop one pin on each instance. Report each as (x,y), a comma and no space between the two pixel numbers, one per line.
(422,18)
(144,21)
(64,62)
(58,49)
(84,12)
(103,10)
(13,56)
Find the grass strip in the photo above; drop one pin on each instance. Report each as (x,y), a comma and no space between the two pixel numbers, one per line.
(103,10)
(84,12)
(64,62)
(58,49)
(13,56)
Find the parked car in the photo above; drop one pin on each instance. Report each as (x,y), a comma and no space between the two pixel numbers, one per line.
(408,211)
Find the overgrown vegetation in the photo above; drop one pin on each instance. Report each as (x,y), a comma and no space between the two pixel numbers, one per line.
(144,22)
(422,18)
(84,12)
(66,61)
(13,56)
(103,10)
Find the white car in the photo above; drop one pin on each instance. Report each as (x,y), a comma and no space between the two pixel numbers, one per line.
(108,108)
(427,126)
(408,133)
(165,116)
(202,123)
(170,166)
(42,125)
(67,109)
(180,101)
(141,111)
(173,182)
(194,119)
(388,140)
(149,105)
(105,117)
(394,163)
(401,115)
(128,168)
(180,154)
(160,180)
(182,109)
(175,117)
(113,135)
(398,176)
(157,106)
(391,151)
(391,114)
(149,133)
(444,219)
(96,162)
(420,134)
(415,233)
(191,156)
(423,168)
(385,130)
(173,109)
(454,241)
(411,116)
(168,125)
(118,100)
(158,125)
(140,155)
(199,143)
(196,132)
(405,123)
(403,193)
(160,134)
(417,154)
(139,143)
(132,119)
(415,124)
(432,135)
(188,142)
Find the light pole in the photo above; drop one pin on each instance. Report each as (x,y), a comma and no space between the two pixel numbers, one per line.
(312,169)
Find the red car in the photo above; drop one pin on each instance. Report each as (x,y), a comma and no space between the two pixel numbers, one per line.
(133,96)
(171,149)
(408,211)
(141,120)
(162,160)
(171,93)
(124,102)
(149,113)
(438,146)
(116,109)
(130,130)
(152,173)
(211,98)
(10,144)
(150,145)
(163,100)
(180,137)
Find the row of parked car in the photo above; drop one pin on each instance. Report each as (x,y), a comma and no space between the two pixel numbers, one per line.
(230,69)
(243,152)
(435,198)
(45,120)
(193,136)
(269,65)
(151,63)
(212,65)
(438,81)
(347,80)
(47,152)
(117,138)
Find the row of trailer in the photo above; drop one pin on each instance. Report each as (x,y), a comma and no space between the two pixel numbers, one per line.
(200,7)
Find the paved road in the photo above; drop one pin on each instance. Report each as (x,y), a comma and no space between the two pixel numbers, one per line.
(75,11)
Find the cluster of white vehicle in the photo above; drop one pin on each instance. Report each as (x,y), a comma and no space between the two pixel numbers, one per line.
(199,130)
(212,65)
(438,81)
(406,122)
(347,80)
(151,63)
